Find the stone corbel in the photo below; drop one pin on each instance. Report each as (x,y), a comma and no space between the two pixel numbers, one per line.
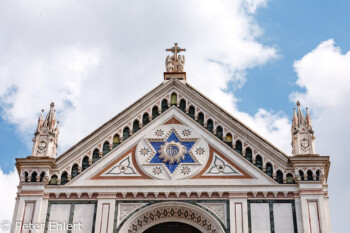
(177,194)
(188,194)
(79,194)
(111,146)
(90,162)
(100,154)
(199,194)
(145,194)
(124,194)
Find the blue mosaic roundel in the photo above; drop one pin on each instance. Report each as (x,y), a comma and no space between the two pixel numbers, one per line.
(172,151)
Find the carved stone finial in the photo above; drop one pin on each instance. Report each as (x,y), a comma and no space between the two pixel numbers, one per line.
(175,63)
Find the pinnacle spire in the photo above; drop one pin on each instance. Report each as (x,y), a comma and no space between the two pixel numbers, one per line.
(302,133)
(300,114)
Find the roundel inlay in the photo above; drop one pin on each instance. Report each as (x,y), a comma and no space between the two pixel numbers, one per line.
(172,151)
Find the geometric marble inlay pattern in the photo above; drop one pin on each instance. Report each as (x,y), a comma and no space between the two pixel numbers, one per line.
(172,213)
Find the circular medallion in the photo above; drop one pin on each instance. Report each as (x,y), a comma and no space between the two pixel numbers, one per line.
(172,152)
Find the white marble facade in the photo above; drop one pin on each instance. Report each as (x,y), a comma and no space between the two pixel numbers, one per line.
(172,167)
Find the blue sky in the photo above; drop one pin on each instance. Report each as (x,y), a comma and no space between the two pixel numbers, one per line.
(95,59)
(294,28)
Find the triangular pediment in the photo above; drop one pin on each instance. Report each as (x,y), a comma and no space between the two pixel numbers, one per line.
(173,149)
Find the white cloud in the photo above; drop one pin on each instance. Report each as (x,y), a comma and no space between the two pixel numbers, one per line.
(324,73)
(94,59)
(8,184)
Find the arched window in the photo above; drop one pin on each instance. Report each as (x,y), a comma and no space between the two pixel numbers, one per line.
(191,112)
(301,174)
(53,180)
(200,119)
(155,112)
(269,169)
(173,99)
(290,179)
(164,105)
(26,177)
(116,140)
(219,132)
(126,133)
(74,170)
(318,175)
(95,156)
(239,147)
(64,178)
(105,148)
(258,162)
(85,163)
(145,119)
(229,139)
(309,175)
(33,178)
(249,154)
(135,126)
(42,176)
(210,126)
(183,105)
(279,177)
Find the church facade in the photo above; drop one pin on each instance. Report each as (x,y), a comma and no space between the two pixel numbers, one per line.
(173,161)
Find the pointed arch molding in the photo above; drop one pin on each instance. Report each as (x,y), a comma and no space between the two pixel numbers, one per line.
(171,212)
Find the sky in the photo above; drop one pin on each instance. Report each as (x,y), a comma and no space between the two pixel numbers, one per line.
(255,58)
